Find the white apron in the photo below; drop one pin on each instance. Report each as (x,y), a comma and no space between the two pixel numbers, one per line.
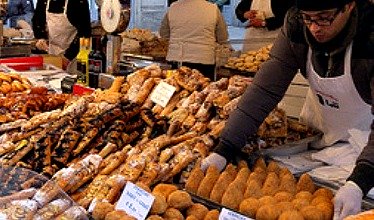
(258,32)
(61,31)
(333,105)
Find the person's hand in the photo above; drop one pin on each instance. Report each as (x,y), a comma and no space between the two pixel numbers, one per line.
(257,23)
(251,14)
(347,201)
(213,159)
(42,44)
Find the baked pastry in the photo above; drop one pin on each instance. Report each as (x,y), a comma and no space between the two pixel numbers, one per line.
(52,209)
(179,199)
(198,210)
(173,214)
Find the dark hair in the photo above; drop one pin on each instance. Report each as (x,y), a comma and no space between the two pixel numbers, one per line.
(319,5)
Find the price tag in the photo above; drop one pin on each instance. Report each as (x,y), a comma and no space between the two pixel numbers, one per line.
(135,201)
(162,93)
(230,215)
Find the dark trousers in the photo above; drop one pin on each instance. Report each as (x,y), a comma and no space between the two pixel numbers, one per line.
(206,69)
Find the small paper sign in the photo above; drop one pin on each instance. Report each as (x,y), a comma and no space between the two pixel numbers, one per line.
(162,93)
(135,201)
(230,215)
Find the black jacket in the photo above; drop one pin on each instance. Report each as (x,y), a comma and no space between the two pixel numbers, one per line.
(78,14)
(279,8)
(289,54)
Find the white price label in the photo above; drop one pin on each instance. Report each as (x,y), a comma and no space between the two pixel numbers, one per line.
(135,201)
(162,93)
(230,215)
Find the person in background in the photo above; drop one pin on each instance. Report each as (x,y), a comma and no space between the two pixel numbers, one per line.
(220,3)
(264,17)
(20,10)
(332,43)
(58,25)
(193,28)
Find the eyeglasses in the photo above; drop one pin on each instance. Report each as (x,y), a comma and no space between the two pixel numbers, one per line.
(321,21)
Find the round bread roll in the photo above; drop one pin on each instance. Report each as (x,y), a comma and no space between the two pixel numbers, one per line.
(179,199)
(249,207)
(283,196)
(164,189)
(159,205)
(173,214)
(198,210)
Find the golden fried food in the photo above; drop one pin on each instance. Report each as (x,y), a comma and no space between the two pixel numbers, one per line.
(327,210)
(154,217)
(267,200)
(164,189)
(311,213)
(233,196)
(273,167)
(179,199)
(299,203)
(288,185)
(193,181)
(258,174)
(242,164)
(304,195)
(222,183)
(305,183)
(159,205)
(207,184)
(249,207)
(284,206)
(260,163)
(367,215)
(267,212)
(271,184)
(253,190)
(324,192)
(284,171)
(212,215)
(172,214)
(320,199)
(291,215)
(198,210)
(101,210)
(191,217)
(118,215)
(283,196)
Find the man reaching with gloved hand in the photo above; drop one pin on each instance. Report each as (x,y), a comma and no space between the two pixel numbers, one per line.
(332,43)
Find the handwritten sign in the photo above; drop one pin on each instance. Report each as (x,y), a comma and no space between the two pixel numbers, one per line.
(162,93)
(230,215)
(135,201)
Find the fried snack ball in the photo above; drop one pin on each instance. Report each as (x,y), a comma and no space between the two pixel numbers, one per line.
(284,206)
(194,180)
(267,212)
(291,215)
(324,192)
(253,190)
(284,171)
(299,203)
(173,214)
(320,199)
(327,210)
(118,215)
(273,167)
(260,163)
(179,199)
(249,207)
(198,210)
(212,215)
(191,217)
(259,175)
(207,184)
(283,196)
(154,217)
(271,184)
(311,213)
(288,185)
(267,200)
(101,210)
(159,205)
(305,183)
(304,195)
(233,195)
(164,189)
